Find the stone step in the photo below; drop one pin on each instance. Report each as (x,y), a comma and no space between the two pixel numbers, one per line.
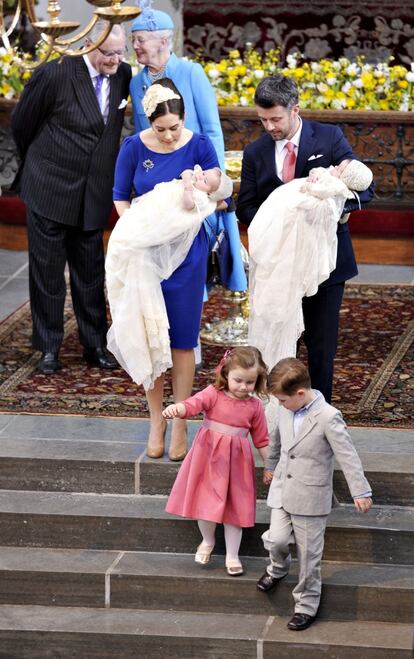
(36,632)
(123,468)
(391,478)
(139,523)
(150,580)
(70,465)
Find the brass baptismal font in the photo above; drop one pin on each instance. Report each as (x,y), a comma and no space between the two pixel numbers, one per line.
(233,330)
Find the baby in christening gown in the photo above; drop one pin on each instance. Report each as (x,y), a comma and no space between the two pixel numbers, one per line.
(292,249)
(149,241)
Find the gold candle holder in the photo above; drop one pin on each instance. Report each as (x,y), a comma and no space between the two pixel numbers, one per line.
(55,28)
(118,15)
(113,11)
(102,3)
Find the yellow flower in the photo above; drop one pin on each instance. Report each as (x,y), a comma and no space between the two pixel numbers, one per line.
(299,73)
(323,84)
(240,70)
(329,95)
(368,80)
(350,103)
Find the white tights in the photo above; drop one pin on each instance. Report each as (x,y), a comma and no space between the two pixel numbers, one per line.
(232,537)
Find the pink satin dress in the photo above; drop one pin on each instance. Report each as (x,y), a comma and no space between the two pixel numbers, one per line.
(216,481)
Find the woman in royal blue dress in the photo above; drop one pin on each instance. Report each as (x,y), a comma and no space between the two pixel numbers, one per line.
(155,155)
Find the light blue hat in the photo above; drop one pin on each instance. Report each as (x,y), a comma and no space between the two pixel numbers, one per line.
(152,19)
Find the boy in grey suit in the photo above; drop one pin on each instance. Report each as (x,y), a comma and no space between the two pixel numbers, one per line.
(310,435)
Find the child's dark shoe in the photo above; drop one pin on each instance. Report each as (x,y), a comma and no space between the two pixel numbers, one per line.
(267,582)
(300,621)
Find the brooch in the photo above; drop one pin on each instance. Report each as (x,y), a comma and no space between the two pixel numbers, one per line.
(148,164)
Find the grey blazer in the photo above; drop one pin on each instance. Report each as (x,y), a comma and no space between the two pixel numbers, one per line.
(303,478)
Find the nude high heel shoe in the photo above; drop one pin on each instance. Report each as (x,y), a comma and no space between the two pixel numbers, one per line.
(155,445)
(178,446)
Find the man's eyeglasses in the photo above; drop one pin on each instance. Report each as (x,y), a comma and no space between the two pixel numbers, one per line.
(112,53)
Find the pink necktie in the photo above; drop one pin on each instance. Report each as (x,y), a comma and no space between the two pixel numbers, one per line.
(289,163)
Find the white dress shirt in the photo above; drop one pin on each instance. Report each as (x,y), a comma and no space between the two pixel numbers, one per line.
(104,90)
(281,152)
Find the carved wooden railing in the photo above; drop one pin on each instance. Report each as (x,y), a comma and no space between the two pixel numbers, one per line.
(8,153)
(383,140)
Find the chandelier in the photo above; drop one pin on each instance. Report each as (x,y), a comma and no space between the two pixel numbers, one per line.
(53,30)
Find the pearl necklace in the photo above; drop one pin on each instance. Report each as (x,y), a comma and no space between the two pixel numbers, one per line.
(156,76)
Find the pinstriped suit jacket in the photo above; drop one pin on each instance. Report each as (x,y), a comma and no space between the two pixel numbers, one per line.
(68,152)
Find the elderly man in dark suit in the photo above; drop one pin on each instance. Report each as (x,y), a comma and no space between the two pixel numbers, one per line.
(67,127)
(290,148)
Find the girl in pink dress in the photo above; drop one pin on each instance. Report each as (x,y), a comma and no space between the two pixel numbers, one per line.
(216,482)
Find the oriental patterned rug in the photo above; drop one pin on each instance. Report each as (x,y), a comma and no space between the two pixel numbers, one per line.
(374,370)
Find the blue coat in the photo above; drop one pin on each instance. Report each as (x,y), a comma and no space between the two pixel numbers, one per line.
(201,116)
(259,179)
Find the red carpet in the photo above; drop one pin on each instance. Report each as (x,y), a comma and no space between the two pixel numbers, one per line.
(374,370)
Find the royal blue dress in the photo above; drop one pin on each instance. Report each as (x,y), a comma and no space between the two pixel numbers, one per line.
(138,169)
(201,116)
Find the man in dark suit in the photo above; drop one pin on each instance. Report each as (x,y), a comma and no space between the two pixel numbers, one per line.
(290,148)
(67,127)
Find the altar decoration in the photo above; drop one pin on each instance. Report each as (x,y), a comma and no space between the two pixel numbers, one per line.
(323,85)
(12,73)
(373,105)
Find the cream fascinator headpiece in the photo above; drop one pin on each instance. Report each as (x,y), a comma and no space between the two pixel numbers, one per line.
(156,94)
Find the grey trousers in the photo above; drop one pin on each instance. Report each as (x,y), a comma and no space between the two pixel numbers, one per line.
(307,532)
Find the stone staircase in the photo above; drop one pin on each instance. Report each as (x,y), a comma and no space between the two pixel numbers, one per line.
(91,566)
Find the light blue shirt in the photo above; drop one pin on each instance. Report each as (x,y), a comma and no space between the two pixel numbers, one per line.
(300,415)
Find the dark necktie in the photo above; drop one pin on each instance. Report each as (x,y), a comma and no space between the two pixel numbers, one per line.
(289,163)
